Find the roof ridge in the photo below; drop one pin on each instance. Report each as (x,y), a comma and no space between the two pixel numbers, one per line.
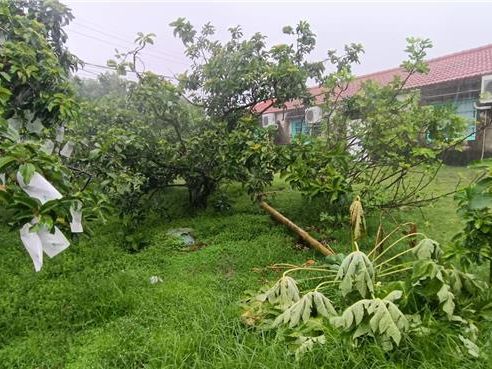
(467,51)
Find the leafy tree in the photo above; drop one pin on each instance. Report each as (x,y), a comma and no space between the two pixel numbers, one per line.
(231,79)
(204,130)
(36,103)
(378,140)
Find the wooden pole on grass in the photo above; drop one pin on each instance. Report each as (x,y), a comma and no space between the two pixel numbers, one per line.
(311,241)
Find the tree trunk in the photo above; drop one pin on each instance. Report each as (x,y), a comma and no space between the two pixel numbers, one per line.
(314,243)
(199,190)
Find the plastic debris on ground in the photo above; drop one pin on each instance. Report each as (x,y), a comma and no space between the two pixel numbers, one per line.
(185,234)
(155,279)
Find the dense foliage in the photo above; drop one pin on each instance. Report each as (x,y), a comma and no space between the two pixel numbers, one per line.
(473,245)
(379,142)
(203,131)
(38,191)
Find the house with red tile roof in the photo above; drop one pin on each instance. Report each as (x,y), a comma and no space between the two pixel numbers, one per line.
(458,79)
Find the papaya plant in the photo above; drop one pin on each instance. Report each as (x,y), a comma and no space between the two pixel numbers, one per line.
(381,296)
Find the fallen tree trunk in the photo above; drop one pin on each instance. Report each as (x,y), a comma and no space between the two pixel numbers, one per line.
(314,243)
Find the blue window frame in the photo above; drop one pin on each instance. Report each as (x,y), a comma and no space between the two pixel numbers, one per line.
(465,109)
(297,127)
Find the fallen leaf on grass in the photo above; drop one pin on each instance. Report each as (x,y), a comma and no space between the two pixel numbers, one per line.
(309,263)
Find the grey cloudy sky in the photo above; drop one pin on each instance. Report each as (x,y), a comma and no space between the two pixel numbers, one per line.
(100,26)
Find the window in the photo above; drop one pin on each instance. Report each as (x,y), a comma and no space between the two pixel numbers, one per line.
(466,109)
(297,127)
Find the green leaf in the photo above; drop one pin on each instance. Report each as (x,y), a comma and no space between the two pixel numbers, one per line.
(427,249)
(27,171)
(393,296)
(5,161)
(306,307)
(305,344)
(470,346)
(6,76)
(356,272)
(446,298)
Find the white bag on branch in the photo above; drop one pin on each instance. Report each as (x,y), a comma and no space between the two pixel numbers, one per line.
(37,242)
(39,188)
(53,243)
(15,124)
(48,147)
(33,245)
(76,213)
(60,134)
(35,126)
(67,149)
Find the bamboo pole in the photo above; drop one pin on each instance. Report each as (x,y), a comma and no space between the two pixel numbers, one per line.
(314,243)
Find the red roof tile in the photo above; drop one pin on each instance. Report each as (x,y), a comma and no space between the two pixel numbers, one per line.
(464,64)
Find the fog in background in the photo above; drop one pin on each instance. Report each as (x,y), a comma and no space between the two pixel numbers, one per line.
(100,27)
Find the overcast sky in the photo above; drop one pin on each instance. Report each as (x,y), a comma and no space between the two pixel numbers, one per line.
(100,27)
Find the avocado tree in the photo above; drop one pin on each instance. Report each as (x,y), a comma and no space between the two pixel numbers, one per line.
(38,192)
(203,130)
(379,140)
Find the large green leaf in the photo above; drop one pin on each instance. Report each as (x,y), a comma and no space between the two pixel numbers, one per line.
(374,318)
(427,249)
(311,304)
(27,171)
(283,293)
(356,272)
(5,162)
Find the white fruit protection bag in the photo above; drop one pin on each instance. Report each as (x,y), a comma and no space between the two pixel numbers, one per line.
(39,188)
(42,240)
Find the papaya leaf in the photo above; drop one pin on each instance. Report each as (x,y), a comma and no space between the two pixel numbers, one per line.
(308,306)
(378,318)
(283,293)
(427,249)
(356,272)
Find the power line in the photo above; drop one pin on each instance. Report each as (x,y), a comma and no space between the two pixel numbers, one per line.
(88,71)
(123,46)
(88,74)
(105,67)
(157,54)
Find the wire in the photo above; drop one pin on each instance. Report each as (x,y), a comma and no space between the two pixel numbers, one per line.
(89,71)
(104,67)
(123,46)
(176,56)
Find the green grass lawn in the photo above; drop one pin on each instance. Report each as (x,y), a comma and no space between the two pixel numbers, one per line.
(94,307)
